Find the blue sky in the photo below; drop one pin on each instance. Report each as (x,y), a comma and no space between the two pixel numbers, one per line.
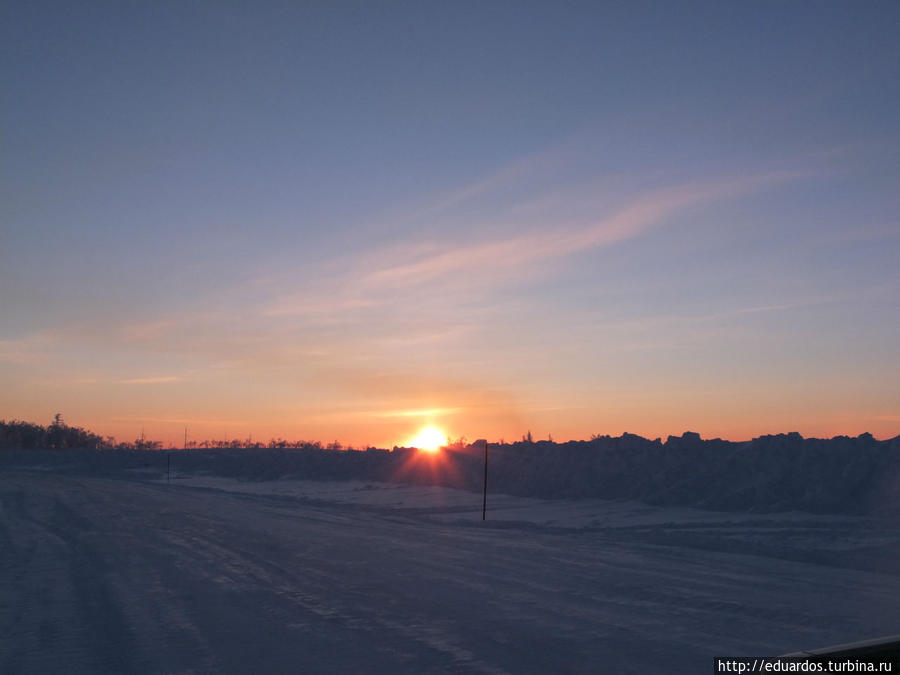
(343,220)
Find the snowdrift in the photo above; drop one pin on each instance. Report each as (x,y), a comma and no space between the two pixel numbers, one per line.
(784,472)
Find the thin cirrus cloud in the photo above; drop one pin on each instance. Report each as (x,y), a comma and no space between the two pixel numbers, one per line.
(631,221)
(429,412)
(158,379)
(32,350)
(493,262)
(388,276)
(204,421)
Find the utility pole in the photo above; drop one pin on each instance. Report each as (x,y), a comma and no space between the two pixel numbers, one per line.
(168,466)
(185,438)
(484,501)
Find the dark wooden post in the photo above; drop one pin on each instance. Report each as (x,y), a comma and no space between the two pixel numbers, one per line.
(484,501)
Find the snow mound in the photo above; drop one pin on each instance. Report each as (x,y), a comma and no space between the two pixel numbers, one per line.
(784,472)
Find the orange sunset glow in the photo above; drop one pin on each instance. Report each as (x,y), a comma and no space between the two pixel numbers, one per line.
(430,438)
(567,247)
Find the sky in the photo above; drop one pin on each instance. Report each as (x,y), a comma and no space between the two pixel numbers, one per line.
(348,220)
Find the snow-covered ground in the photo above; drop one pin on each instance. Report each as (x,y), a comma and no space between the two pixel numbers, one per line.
(209,574)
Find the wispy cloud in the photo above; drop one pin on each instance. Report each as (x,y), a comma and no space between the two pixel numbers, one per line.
(159,379)
(799,303)
(630,221)
(144,331)
(29,350)
(518,174)
(427,412)
(374,277)
(320,303)
(212,421)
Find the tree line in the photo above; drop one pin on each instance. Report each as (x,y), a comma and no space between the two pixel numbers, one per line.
(16,434)
(58,434)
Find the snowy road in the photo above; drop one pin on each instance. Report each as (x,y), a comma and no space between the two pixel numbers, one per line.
(105,575)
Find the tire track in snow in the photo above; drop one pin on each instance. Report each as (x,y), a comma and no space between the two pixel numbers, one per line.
(186,579)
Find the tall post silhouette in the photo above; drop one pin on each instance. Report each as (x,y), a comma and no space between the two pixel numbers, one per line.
(484,501)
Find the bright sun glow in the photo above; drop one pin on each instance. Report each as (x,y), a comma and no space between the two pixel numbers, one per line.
(430,439)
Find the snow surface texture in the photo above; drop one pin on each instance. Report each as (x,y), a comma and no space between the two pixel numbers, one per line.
(106,567)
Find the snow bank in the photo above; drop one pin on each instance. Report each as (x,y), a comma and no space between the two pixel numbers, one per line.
(785,472)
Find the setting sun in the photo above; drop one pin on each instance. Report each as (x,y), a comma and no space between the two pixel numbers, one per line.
(430,439)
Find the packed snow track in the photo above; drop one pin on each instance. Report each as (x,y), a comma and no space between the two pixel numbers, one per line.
(133,576)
